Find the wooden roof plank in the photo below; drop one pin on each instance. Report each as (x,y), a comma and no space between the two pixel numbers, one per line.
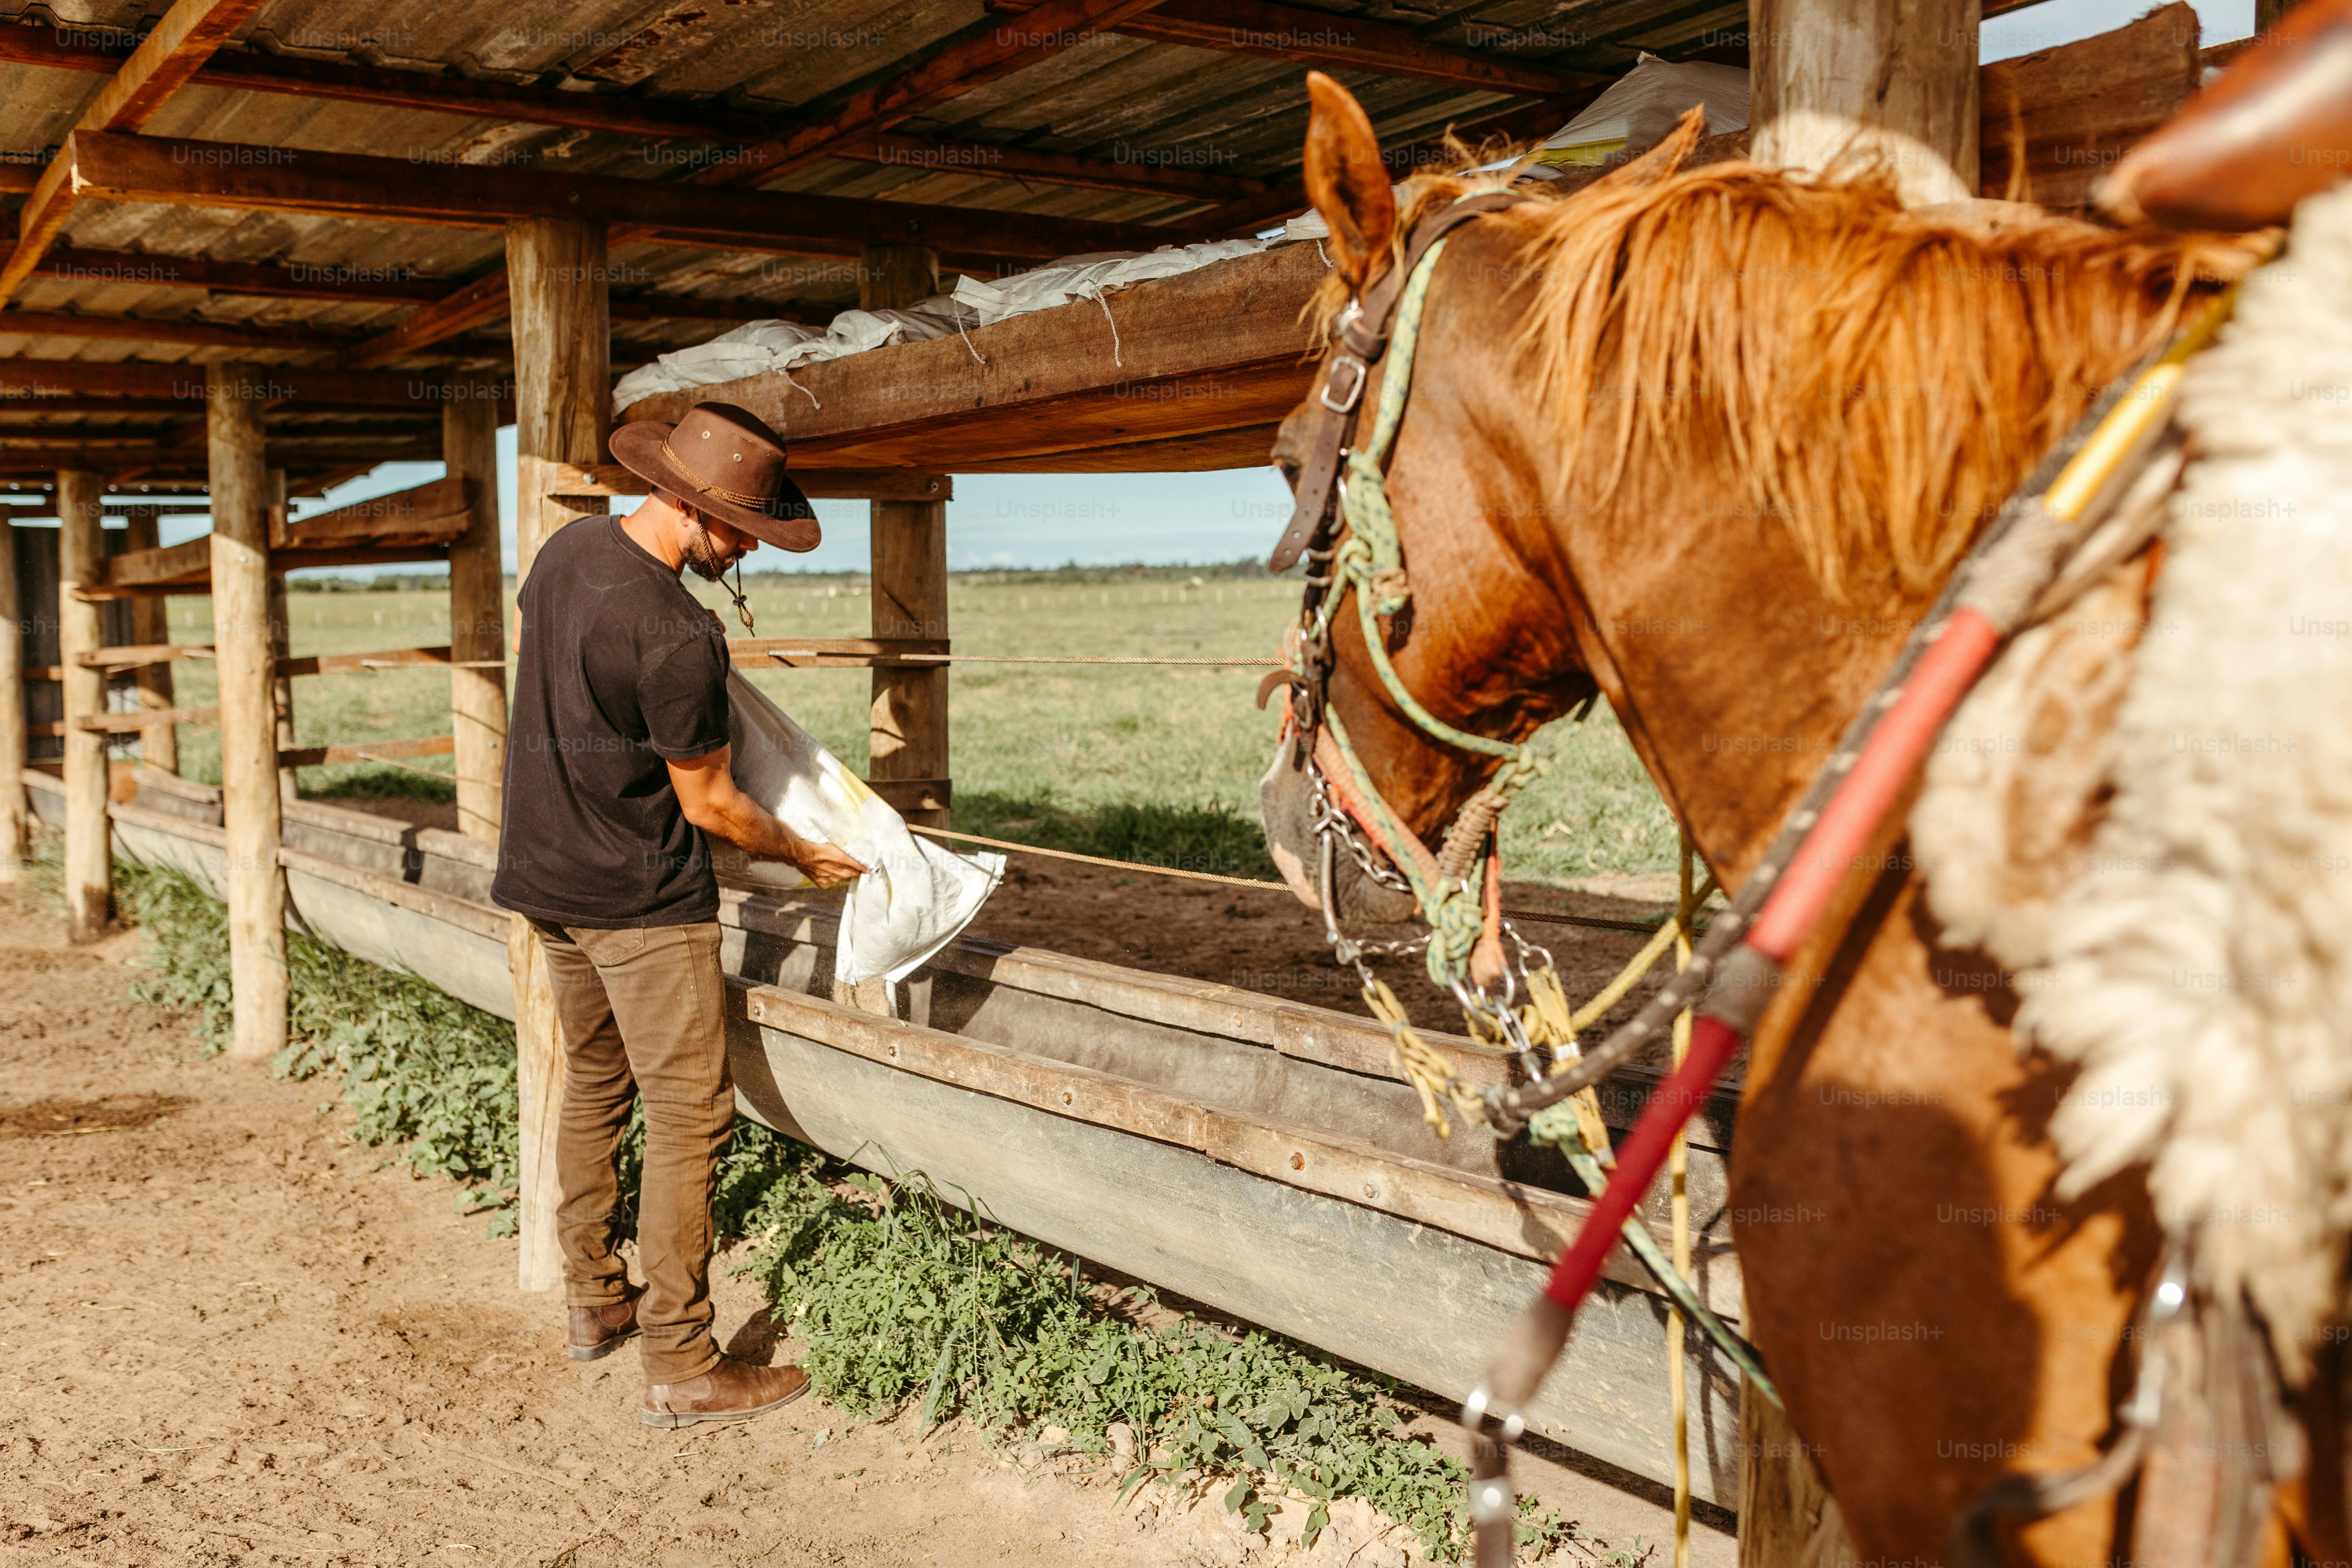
(159,67)
(170,171)
(1216,349)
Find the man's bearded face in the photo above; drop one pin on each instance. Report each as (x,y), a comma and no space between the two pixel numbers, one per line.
(705,556)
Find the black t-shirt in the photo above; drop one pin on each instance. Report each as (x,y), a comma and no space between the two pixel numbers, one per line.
(619,669)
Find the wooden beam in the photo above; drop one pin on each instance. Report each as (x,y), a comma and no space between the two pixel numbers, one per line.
(127,463)
(482,300)
(89,851)
(139,656)
(834,653)
(144,719)
(367,751)
(619,115)
(16,810)
(570,480)
(436,92)
(174,51)
(477,684)
(24,382)
(436,511)
(355,663)
(160,170)
(293,282)
(147,330)
(187,568)
(164,61)
(151,622)
(1337,42)
(251,810)
(344,285)
(985,54)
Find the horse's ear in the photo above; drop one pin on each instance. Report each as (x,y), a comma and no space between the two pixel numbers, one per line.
(1348,182)
(1666,157)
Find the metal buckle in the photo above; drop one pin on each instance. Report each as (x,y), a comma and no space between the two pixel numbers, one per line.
(1340,361)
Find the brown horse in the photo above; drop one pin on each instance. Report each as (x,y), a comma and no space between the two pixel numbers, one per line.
(1711,440)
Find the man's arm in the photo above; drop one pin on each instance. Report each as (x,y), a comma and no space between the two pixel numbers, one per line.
(707,794)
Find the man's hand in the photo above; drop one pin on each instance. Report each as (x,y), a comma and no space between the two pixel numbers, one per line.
(824,865)
(706,795)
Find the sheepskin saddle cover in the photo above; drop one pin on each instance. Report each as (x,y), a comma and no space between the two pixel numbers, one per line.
(2144,814)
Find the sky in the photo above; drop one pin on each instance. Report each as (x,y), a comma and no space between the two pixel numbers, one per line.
(1053,519)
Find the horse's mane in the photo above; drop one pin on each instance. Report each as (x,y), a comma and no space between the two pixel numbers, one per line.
(1876,379)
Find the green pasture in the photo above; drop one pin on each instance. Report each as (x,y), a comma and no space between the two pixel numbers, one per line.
(1150,763)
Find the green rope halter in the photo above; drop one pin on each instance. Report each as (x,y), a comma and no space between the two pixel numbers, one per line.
(1371,562)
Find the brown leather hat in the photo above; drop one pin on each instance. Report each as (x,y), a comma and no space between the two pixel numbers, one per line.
(726,462)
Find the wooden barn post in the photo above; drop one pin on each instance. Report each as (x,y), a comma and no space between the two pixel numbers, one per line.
(561,324)
(150,626)
(252,812)
(477,695)
(1897,78)
(81,560)
(281,631)
(15,817)
(907,725)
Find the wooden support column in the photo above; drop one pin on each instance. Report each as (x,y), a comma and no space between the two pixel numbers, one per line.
(907,726)
(1787,1517)
(561,323)
(892,276)
(2268,12)
(241,495)
(478,697)
(81,559)
(1893,78)
(15,819)
(282,648)
(150,624)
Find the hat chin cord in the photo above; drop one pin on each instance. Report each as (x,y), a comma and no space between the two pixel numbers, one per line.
(703,556)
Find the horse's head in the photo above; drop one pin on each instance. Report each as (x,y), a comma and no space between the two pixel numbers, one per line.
(1483,640)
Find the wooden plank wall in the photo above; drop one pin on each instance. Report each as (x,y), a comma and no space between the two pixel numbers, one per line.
(2057,119)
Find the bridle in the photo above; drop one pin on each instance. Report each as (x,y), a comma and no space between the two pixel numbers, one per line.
(1786,897)
(1343,485)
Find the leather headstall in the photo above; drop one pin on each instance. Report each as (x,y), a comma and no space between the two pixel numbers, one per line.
(1361,339)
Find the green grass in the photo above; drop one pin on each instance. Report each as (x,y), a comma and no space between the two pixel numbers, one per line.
(900,1296)
(1130,760)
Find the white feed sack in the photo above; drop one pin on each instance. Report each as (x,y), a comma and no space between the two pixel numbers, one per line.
(1642,106)
(915,896)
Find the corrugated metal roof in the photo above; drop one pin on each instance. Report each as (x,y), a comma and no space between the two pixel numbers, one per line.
(1116,98)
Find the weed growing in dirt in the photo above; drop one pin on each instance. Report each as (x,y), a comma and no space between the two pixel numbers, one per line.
(901,1295)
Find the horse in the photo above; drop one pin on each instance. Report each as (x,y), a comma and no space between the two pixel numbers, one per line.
(1709,441)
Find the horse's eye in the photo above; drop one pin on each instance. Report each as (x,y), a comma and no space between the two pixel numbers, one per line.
(1289,472)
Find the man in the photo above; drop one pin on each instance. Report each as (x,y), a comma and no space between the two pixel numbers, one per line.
(616,779)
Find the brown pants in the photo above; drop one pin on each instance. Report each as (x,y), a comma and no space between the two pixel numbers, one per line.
(644,1012)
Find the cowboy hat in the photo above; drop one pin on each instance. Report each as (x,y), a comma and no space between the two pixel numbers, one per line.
(726,463)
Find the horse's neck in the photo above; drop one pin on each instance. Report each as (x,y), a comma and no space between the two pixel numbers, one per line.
(1732,675)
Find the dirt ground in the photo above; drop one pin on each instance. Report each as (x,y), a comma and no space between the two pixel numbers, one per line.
(227,1338)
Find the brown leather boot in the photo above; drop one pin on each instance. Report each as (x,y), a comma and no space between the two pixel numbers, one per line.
(592,1333)
(730,1391)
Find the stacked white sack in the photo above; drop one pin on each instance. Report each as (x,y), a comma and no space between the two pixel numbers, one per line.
(915,896)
